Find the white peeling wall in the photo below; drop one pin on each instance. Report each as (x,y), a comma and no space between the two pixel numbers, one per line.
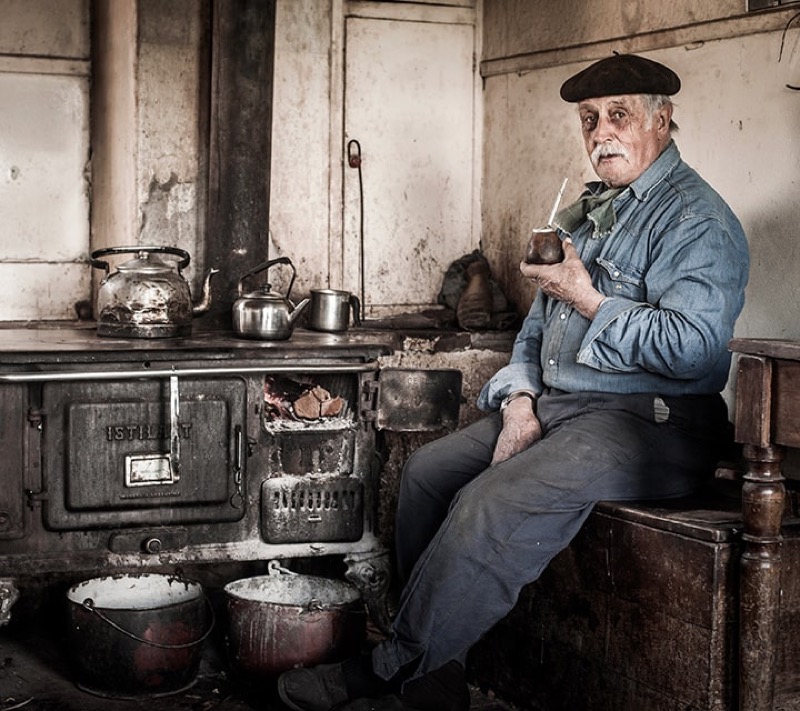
(171,181)
(44,151)
(740,127)
(300,181)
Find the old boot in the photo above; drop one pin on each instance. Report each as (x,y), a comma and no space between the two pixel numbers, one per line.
(442,690)
(327,686)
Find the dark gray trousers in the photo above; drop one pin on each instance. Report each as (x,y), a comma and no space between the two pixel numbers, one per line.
(470,535)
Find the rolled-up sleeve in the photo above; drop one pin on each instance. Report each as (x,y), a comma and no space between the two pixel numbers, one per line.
(695,293)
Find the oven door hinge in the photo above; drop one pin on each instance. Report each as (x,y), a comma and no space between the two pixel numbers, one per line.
(35,498)
(36,418)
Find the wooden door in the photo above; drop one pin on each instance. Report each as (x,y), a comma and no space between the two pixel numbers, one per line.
(408,158)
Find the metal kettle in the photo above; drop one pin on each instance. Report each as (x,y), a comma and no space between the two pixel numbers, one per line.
(262,313)
(147,297)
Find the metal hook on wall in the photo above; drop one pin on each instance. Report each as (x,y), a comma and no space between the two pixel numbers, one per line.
(354,161)
(783,40)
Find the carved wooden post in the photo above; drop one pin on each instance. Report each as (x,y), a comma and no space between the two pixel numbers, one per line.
(763,500)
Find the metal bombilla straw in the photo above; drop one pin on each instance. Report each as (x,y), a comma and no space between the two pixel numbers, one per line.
(557,203)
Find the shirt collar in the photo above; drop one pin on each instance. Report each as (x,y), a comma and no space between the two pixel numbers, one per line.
(659,169)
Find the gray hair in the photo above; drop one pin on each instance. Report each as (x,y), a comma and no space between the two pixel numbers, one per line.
(653,102)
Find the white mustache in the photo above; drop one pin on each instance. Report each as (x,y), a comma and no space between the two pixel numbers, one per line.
(608,149)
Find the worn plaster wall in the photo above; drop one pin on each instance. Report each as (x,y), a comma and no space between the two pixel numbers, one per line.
(149,126)
(301,171)
(44,155)
(171,178)
(739,125)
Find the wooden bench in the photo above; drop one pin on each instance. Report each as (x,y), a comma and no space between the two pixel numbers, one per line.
(689,605)
(640,613)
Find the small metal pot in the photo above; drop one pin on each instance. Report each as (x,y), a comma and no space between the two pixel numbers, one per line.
(330,310)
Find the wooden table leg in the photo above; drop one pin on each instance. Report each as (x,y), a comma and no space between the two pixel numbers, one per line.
(763,500)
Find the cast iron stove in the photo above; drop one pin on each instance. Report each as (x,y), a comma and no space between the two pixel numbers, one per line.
(144,453)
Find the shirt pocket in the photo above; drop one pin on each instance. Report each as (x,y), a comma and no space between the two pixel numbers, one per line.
(617,279)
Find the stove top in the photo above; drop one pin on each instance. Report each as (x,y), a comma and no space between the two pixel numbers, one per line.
(83,338)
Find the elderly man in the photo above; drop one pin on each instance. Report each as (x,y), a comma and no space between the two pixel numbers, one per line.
(612,392)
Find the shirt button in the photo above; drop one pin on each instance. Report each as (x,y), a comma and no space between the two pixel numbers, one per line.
(618,287)
(562,316)
(551,362)
(616,274)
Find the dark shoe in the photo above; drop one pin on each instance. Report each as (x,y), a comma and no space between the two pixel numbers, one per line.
(442,690)
(327,686)
(316,689)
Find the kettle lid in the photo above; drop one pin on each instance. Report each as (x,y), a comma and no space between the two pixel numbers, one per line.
(146,263)
(263,292)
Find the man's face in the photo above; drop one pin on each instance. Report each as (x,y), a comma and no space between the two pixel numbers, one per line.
(621,137)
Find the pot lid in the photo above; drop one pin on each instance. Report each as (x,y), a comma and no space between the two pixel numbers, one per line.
(265,293)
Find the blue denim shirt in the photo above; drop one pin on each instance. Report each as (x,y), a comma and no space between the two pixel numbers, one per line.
(673,268)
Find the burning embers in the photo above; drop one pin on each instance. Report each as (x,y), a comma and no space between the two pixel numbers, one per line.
(288,399)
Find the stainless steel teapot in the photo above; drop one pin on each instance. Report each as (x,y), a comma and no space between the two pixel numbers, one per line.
(147,297)
(262,313)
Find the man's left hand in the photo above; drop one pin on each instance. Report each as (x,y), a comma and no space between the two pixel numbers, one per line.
(566,281)
(521,429)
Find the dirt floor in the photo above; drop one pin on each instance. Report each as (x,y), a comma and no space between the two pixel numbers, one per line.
(37,673)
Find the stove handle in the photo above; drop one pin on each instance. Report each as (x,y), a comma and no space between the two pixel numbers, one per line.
(237,499)
(174,428)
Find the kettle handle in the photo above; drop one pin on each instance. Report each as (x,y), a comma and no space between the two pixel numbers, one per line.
(355,305)
(266,265)
(175,251)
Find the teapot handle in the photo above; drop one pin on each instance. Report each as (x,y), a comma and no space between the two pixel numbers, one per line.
(266,265)
(175,251)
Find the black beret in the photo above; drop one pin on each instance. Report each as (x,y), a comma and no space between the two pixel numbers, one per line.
(621,74)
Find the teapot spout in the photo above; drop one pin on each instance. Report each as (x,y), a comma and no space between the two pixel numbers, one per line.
(205,296)
(297,309)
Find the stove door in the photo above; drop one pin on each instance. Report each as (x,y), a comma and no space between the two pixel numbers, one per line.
(410,400)
(152,451)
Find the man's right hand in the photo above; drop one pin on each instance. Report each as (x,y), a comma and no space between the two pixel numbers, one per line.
(521,428)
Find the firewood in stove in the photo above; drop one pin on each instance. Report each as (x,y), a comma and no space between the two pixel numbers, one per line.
(332,407)
(285,398)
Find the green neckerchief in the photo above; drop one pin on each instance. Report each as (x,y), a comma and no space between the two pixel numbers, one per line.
(597,208)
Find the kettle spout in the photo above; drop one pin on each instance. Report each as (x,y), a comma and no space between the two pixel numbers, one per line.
(205,296)
(297,309)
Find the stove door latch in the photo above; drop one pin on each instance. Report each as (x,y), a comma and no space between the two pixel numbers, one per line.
(35,497)
(370,397)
